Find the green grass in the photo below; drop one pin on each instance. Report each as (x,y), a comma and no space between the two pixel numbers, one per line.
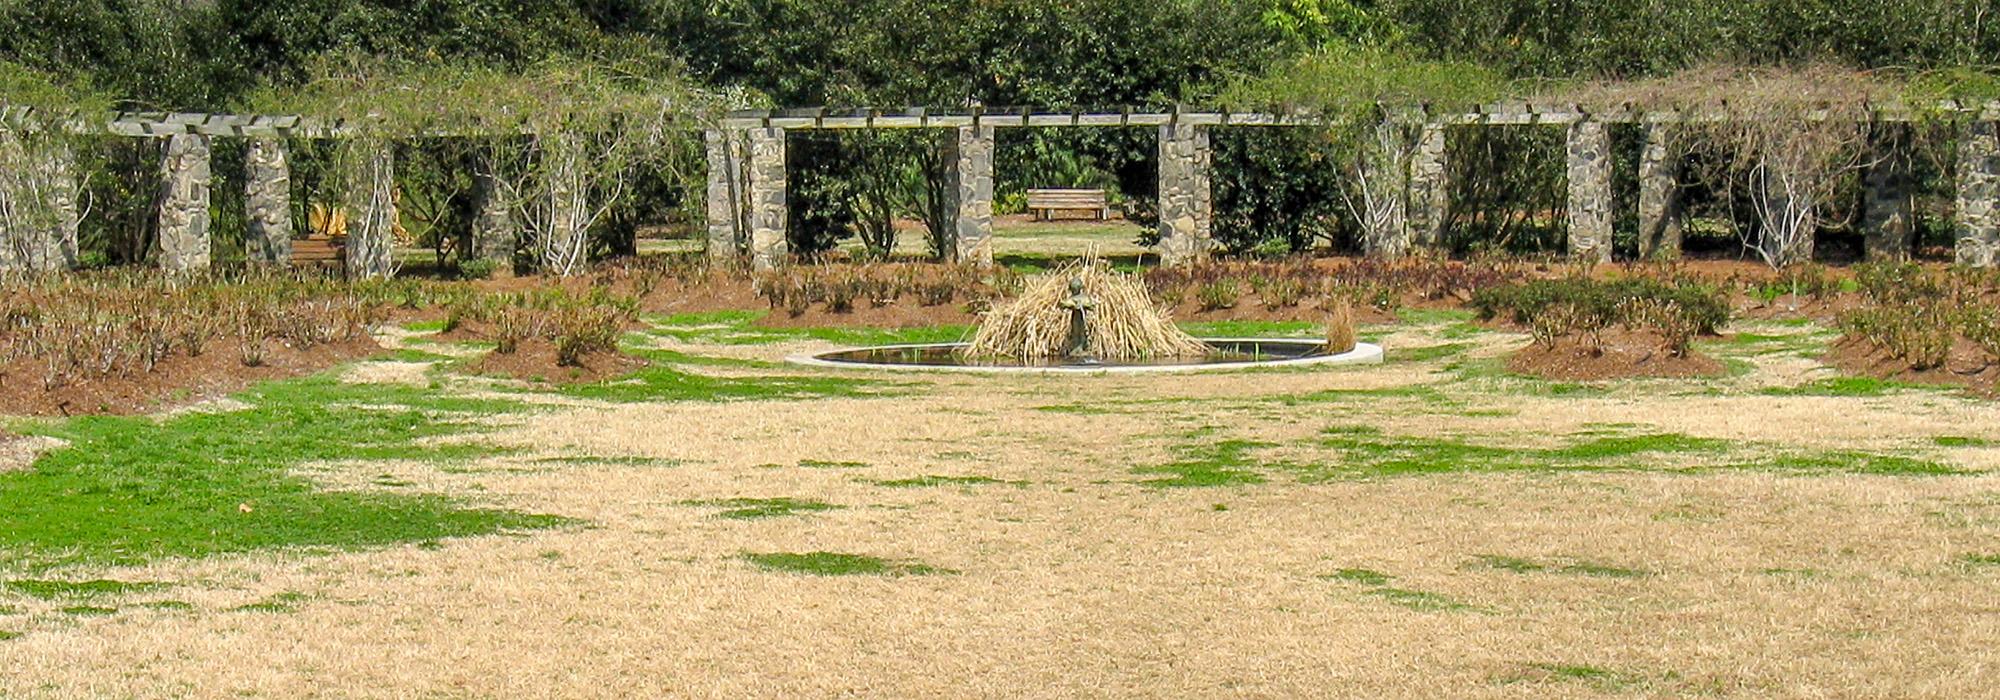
(1254,329)
(127,490)
(738,328)
(1631,445)
(1854,462)
(1365,577)
(285,602)
(1420,601)
(592,460)
(831,464)
(932,480)
(838,564)
(1225,463)
(1959,441)
(1578,568)
(169,605)
(50,589)
(1600,679)
(1850,387)
(1981,559)
(6,636)
(760,508)
(1427,353)
(89,610)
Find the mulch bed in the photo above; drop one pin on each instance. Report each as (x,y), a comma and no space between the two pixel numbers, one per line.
(1622,354)
(177,381)
(1967,365)
(535,360)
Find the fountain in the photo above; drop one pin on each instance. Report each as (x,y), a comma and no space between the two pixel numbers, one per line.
(1085,318)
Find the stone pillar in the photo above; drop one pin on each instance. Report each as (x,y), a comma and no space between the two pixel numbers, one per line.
(267,199)
(1978,226)
(1659,195)
(1384,191)
(566,248)
(1590,191)
(1186,206)
(1430,188)
(728,186)
(1888,212)
(371,206)
(494,231)
(969,160)
(183,221)
(768,211)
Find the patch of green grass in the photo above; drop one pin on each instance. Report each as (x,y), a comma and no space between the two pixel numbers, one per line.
(6,636)
(1078,409)
(424,326)
(1365,577)
(1420,601)
(89,610)
(1514,564)
(285,602)
(1224,463)
(931,480)
(674,357)
(1850,387)
(831,464)
(760,508)
(1428,352)
(414,355)
(593,460)
(1600,679)
(1981,559)
(169,605)
(1584,568)
(1630,445)
(838,564)
(1854,462)
(657,383)
(1253,329)
(1959,441)
(1414,392)
(132,489)
(50,589)
(1432,317)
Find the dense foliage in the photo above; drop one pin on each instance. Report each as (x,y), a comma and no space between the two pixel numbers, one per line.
(1273,192)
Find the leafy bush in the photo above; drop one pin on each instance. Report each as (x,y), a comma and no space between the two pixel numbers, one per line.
(1217,295)
(1551,309)
(477,268)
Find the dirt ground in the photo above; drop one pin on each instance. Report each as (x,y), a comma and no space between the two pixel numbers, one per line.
(1675,577)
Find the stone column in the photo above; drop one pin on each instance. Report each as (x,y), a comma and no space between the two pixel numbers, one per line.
(494,231)
(183,221)
(969,158)
(1186,206)
(728,184)
(371,207)
(768,211)
(1978,226)
(267,199)
(1888,212)
(1659,195)
(1430,188)
(1590,191)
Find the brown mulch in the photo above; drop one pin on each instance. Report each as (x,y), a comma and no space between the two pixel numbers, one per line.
(1967,365)
(535,360)
(177,381)
(1622,354)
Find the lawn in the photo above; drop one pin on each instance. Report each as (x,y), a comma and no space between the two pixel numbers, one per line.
(724,524)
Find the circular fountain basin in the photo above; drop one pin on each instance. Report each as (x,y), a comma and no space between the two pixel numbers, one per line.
(1231,354)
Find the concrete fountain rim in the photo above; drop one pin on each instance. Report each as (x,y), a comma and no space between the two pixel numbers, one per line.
(1362,354)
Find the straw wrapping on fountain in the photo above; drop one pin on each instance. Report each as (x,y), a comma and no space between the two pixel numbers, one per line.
(1125,324)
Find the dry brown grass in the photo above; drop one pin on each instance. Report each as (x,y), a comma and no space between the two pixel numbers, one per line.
(1124,323)
(1084,583)
(1340,327)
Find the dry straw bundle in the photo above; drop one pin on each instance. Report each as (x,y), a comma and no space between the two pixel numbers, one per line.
(1124,324)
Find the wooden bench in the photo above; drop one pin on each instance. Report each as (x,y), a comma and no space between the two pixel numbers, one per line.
(319,251)
(1045,203)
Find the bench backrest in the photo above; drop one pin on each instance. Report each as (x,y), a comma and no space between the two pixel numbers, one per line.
(1066,199)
